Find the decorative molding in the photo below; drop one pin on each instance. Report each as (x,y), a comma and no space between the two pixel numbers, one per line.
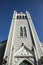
(23,52)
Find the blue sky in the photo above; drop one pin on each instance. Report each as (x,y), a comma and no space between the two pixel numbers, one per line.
(35,7)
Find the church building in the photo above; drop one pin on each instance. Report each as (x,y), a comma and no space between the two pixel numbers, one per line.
(23,46)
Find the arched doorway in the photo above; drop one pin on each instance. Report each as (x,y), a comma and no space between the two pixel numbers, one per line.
(25,63)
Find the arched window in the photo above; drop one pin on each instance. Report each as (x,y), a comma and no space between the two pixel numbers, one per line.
(21,31)
(25,63)
(17,17)
(20,17)
(25,33)
(25,17)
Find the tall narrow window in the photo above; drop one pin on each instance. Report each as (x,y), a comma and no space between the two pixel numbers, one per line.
(21,31)
(17,17)
(25,17)
(25,33)
(20,17)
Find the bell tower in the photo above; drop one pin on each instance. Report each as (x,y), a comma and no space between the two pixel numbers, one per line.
(23,47)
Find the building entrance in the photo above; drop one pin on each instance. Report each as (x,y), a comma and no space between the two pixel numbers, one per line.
(25,63)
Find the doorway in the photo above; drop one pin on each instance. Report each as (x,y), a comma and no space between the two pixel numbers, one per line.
(25,63)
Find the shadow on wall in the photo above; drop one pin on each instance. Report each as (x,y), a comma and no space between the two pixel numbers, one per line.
(2,50)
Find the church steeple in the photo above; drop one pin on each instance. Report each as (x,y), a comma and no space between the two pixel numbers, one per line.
(23,43)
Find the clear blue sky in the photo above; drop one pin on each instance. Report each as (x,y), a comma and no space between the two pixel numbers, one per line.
(35,7)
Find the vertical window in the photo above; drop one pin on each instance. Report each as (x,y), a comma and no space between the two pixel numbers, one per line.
(25,17)
(21,31)
(17,17)
(25,33)
(20,17)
